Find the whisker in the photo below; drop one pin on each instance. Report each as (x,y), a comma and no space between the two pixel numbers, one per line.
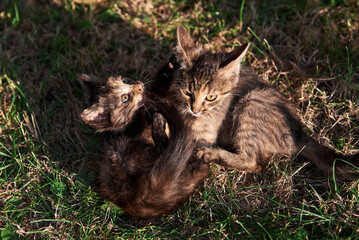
(160,101)
(149,100)
(147,81)
(234,94)
(143,77)
(147,112)
(225,107)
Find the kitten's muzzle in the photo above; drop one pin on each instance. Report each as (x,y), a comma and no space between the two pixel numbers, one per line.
(139,88)
(143,101)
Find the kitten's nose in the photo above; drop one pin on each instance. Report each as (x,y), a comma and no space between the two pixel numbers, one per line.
(139,87)
(196,106)
(195,109)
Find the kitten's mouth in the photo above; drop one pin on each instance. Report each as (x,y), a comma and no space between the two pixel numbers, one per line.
(142,102)
(194,114)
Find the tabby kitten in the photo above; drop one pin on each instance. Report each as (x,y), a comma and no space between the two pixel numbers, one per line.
(146,177)
(243,120)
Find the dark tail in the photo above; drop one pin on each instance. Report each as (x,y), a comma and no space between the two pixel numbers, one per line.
(175,174)
(173,160)
(327,160)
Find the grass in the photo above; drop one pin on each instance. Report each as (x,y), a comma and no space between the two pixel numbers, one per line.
(308,49)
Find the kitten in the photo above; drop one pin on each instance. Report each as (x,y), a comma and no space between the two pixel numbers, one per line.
(135,121)
(116,105)
(243,120)
(146,177)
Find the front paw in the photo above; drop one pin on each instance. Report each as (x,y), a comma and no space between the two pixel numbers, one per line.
(207,154)
(159,122)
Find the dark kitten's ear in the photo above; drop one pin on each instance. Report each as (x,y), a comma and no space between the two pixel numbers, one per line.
(90,85)
(186,48)
(96,116)
(86,77)
(232,63)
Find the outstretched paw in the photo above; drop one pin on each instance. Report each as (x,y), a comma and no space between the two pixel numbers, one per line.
(207,154)
(159,122)
(158,132)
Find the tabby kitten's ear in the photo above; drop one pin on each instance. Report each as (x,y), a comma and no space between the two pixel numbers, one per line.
(186,48)
(231,65)
(96,116)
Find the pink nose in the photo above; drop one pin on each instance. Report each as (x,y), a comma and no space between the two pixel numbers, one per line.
(195,109)
(139,87)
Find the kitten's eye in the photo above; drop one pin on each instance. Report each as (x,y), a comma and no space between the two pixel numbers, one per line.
(211,97)
(125,98)
(188,93)
(126,81)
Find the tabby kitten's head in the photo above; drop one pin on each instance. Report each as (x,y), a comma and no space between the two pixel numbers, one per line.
(205,79)
(118,101)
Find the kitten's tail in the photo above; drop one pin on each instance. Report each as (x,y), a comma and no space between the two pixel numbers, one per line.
(175,174)
(173,159)
(327,160)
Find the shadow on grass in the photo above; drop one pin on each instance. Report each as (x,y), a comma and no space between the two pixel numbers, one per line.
(43,48)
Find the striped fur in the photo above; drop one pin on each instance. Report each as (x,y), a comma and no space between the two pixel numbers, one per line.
(248,121)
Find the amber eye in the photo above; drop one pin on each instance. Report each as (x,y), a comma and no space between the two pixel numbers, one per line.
(211,97)
(125,98)
(188,93)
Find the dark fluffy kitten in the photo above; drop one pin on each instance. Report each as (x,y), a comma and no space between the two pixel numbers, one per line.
(146,176)
(243,119)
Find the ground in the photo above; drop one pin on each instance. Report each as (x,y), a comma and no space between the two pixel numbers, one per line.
(308,49)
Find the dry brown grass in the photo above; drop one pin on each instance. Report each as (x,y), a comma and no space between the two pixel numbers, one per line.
(299,47)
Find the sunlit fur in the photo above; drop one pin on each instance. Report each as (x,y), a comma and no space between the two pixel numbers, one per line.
(249,121)
(192,86)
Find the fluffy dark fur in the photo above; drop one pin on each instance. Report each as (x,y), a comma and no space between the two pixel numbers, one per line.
(148,174)
(243,119)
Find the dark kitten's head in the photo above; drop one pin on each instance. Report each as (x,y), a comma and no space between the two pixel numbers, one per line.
(205,79)
(118,101)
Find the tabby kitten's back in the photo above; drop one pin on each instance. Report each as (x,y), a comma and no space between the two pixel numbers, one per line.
(246,120)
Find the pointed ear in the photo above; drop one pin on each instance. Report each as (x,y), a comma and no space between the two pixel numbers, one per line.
(186,48)
(184,39)
(86,77)
(232,63)
(96,116)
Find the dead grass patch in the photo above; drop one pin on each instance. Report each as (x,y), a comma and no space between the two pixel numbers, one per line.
(308,50)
